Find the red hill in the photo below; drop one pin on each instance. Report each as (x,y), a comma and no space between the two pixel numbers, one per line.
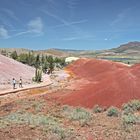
(110,83)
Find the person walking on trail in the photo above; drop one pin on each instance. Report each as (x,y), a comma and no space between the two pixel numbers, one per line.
(20,83)
(14,83)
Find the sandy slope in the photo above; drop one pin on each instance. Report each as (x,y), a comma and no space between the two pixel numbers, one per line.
(10,68)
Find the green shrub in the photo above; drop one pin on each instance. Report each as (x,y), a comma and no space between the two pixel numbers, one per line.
(113,111)
(77,114)
(127,110)
(97,109)
(48,123)
(66,108)
(135,104)
(61,132)
(131,106)
(80,114)
(129,119)
(14,55)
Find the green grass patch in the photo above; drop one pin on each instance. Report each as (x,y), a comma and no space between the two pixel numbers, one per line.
(77,114)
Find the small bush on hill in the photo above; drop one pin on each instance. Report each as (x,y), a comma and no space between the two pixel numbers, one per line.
(97,109)
(133,105)
(129,119)
(14,55)
(78,114)
(113,111)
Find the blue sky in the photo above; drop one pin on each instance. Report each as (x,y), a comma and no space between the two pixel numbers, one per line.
(68,24)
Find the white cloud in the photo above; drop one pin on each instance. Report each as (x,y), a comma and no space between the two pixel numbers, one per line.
(106,39)
(3,33)
(36,25)
(121,17)
(9,13)
(70,23)
(22,33)
(72,5)
(83,37)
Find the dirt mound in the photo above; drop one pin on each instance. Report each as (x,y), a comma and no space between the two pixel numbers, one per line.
(110,83)
(10,68)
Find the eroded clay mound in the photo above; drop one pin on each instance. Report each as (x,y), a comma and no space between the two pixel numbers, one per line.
(110,83)
(10,69)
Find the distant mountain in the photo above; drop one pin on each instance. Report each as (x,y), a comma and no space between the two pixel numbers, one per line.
(69,50)
(131,47)
(53,52)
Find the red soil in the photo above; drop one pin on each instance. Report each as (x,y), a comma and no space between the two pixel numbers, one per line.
(111,83)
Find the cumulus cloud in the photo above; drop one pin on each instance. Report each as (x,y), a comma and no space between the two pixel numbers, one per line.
(36,25)
(3,33)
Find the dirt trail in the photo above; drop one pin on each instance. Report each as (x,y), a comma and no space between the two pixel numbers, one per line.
(52,83)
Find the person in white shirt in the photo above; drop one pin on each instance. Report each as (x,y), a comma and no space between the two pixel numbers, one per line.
(20,83)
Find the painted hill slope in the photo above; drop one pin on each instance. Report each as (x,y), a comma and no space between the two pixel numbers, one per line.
(109,84)
(10,68)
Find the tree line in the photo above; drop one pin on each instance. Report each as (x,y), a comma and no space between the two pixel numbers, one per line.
(42,63)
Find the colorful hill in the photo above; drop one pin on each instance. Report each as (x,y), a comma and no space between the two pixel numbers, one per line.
(110,83)
(10,68)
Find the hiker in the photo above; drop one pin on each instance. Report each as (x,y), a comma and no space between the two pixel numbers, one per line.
(20,83)
(46,71)
(14,83)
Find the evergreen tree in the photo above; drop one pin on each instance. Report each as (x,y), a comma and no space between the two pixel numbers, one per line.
(31,59)
(37,61)
(23,58)
(14,55)
(3,52)
(45,66)
(42,59)
(51,63)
